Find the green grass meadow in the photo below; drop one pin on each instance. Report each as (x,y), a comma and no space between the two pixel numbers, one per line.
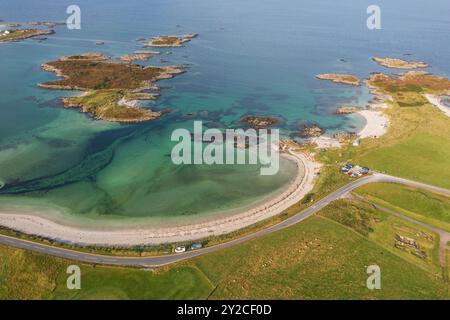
(425,206)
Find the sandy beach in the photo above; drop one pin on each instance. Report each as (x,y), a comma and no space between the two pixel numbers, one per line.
(436,101)
(376,124)
(37,225)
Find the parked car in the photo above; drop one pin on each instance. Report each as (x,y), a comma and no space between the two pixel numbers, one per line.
(357,174)
(195,246)
(347,167)
(365,170)
(180,249)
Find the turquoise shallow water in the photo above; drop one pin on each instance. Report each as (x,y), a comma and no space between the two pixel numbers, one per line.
(252,57)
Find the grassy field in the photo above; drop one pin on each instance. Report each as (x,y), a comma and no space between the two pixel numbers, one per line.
(121,283)
(429,151)
(317,259)
(26,275)
(425,206)
(384,228)
(418,144)
(323,257)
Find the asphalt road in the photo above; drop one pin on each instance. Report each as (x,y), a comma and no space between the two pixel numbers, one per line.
(156,261)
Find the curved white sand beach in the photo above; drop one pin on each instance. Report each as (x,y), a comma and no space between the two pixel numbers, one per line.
(37,225)
(376,124)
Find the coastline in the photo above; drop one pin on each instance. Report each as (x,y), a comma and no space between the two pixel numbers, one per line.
(47,228)
(376,124)
(435,100)
(103,99)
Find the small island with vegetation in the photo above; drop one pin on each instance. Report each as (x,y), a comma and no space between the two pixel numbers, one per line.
(147,52)
(21,34)
(112,89)
(133,57)
(170,41)
(9,25)
(49,24)
(347,109)
(409,89)
(340,78)
(399,63)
